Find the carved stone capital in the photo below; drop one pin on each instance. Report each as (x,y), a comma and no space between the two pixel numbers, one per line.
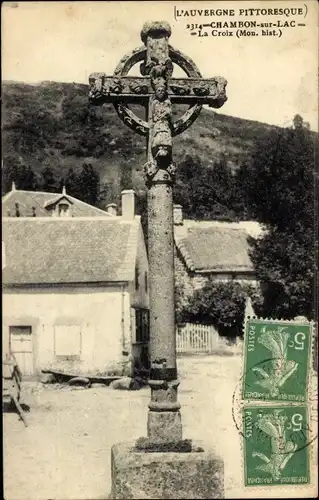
(154,174)
(150,169)
(155,29)
(163,392)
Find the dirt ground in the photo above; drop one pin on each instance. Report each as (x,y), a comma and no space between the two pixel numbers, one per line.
(64,453)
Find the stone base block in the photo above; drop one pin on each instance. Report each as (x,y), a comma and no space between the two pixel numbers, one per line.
(165,475)
(148,445)
(164,426)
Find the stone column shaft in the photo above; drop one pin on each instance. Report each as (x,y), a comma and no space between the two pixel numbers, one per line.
(161,264)
(164,419)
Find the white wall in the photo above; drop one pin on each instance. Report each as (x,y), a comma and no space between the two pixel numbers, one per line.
(103,315)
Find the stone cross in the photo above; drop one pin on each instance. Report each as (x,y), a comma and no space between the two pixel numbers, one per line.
(156,90)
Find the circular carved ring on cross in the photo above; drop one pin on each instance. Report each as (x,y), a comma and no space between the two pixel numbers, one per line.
(126,114)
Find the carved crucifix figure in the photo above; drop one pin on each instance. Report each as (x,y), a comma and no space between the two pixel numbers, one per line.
(156,89)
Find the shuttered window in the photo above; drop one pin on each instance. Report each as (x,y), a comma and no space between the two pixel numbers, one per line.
(67,341)
(142,325)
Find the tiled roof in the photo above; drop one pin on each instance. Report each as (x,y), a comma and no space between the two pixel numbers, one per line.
(29,199)
(210,247)
(69,250)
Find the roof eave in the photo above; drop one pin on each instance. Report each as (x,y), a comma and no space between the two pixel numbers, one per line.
(225,270)
(66,283)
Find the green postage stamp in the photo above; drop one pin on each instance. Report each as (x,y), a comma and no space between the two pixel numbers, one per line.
(276,445)
(277,359)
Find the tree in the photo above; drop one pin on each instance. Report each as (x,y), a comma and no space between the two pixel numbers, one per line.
(126,181)
(285,267)
(30,180)
(109,193)
(298,122)
(240,203)
(223,189)
(49,182)
(221,304)
(71,183)
(205,192)
(280,182)
(89,184)
(23,177)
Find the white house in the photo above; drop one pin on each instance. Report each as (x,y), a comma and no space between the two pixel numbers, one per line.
(75,294)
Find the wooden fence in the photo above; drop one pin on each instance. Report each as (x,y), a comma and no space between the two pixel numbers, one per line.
(193,338)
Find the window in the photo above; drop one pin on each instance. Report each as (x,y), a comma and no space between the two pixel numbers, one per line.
(142,325)
(137,284)
(64,210)
(146,281)
(67,341)
(20,330)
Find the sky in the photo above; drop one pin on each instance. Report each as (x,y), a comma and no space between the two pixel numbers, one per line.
(270,79)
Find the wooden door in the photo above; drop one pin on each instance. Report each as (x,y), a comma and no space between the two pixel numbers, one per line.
(22,348)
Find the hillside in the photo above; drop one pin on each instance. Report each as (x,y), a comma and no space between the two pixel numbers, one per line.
(52,124)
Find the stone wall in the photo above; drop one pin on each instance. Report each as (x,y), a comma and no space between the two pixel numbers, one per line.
(183,280)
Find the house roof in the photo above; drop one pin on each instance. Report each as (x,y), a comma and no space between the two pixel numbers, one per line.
(69,250)
(210,247)
(41,201)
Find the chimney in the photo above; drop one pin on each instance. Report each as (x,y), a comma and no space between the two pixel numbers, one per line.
(111,209)
(63,189)
(13,187)
(178,215)
(128,204)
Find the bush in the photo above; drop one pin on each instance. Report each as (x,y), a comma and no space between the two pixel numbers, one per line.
(221,304)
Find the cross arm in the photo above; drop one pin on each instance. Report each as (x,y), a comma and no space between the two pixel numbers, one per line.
(130,89)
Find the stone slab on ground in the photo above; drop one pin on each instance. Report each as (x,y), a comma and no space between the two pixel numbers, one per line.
(157,475)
